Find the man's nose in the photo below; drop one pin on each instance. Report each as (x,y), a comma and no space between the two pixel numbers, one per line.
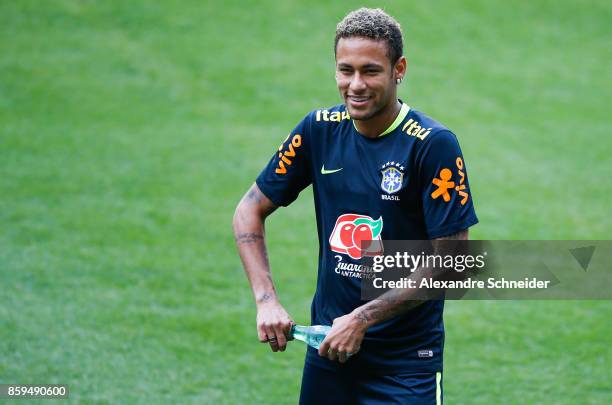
(357,83)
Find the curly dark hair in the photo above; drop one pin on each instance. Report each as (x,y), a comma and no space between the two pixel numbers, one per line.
(372,23)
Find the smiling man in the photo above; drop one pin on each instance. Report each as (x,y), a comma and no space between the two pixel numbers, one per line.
(380,170)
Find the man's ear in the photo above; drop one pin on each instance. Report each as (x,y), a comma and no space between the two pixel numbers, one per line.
(400,68)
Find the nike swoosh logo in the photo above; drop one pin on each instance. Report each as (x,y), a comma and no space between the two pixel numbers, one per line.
(323,171)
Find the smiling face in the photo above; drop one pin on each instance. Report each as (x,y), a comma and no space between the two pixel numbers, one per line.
(365,76)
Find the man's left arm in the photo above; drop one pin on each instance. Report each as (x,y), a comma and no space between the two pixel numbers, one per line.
(348,331)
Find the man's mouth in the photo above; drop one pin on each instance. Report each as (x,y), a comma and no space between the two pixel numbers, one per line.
(358,101)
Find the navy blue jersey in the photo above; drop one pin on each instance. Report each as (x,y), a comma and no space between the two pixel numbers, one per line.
(410,183)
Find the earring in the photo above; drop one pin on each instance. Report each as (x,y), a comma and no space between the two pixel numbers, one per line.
(398,80)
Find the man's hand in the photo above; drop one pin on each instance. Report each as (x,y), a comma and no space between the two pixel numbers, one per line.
(273,325)
(344,338)
(273,322)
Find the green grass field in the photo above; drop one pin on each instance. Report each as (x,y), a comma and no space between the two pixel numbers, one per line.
(130,130)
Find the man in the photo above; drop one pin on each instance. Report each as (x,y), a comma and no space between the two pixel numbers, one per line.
(380,170)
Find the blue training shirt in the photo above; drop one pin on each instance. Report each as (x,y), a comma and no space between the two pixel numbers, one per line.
(410,183)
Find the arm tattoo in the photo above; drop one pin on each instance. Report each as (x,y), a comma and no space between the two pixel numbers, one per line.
(396,301)
(249,231)
(254,195)
(249,237)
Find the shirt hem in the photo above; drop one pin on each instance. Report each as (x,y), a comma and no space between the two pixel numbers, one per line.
(452,228)
(268,194)
(410,366)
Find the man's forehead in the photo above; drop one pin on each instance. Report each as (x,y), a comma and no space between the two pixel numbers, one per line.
(361,51)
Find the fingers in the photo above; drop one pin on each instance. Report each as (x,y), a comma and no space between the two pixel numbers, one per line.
(266,334)
(273,343)
(341,354)
(271,338)
(275,335)
(261,334)
(281,338)
(332,354)
(324,348)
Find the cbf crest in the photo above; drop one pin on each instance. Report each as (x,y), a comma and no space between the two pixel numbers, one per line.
(392,177)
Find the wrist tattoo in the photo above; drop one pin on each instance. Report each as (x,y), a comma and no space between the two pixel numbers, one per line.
(362,316)
(265,297)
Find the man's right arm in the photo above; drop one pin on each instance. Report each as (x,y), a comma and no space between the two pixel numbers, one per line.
(273,322)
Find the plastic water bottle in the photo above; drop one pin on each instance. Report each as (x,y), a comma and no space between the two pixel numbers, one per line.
(311,335)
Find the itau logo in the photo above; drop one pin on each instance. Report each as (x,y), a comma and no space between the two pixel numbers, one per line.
(357,236)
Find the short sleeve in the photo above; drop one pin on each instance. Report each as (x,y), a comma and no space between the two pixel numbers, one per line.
(288,171)
(445,189)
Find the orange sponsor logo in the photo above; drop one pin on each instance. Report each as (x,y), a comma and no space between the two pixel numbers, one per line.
(285,157)
(461,186)
(444,183)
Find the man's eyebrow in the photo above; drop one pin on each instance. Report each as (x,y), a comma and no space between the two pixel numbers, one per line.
(366,66)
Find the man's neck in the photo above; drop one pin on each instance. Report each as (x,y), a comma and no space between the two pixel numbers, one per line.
(375,126)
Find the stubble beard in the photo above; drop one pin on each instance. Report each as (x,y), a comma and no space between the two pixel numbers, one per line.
(376,110)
